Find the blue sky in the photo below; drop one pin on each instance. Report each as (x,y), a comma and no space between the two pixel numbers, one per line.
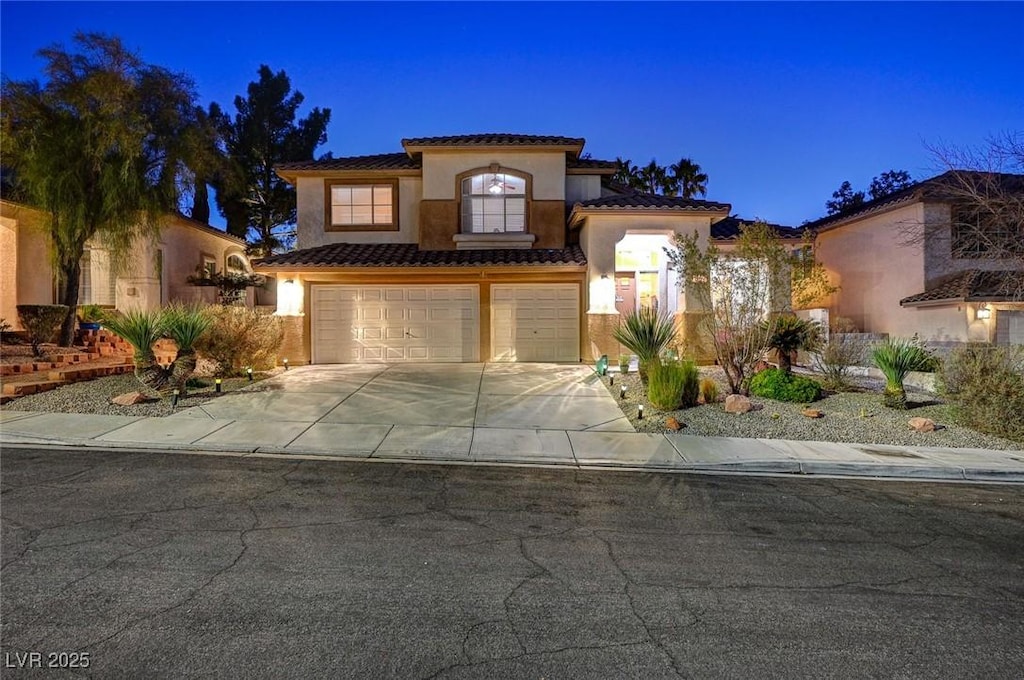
(779,103)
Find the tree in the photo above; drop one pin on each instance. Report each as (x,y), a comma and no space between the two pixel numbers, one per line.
(844,198)
(627,174)
(889,182)
(264,132)
(688,179)
(653,178)
(100,148)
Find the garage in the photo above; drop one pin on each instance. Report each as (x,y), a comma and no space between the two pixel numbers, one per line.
(535,322)
(365,324)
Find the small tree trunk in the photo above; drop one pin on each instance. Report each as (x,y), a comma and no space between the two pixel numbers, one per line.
(785,361)
(70,272)
(895,396)
(181,370)
(154,377)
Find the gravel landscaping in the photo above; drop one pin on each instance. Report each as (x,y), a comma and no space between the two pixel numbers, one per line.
(93,396)
(857,417)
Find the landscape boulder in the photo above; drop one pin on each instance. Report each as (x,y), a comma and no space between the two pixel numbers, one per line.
(131,398)
(737,403)
(673,424)
(921,424)
(812,413)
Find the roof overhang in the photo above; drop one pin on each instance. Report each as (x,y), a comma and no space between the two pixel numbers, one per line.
(575,149)
(292,176)
(483,271)
(579,213)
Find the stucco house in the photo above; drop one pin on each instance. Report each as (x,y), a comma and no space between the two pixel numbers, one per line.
(486,247)
(905,264)
(156,274)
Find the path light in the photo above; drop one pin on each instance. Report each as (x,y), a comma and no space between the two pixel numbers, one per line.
(248,372)
(216,385)
(611,381)
(285,363)
(640,412)
(622,392)
(174,399)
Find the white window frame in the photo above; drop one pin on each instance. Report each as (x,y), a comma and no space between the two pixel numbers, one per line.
(491,198)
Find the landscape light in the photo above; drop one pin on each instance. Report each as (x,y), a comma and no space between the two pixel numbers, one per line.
(285,364)
(216,385)
(640,412)
(622,392)
(248,372)
(174,399)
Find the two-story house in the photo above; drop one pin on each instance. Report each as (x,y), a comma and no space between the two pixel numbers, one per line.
(488,247)
(917,261)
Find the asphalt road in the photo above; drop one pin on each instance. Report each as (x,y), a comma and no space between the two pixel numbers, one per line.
(174,565)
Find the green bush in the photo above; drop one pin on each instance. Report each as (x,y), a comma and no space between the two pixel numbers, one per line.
(624,363)
(239,338)
(139,327)
(984,384)
(673,384)
(90,313)
(776,384)
(709,390)
(896,358)
(41,323)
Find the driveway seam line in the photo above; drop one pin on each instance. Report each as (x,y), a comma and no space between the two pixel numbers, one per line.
(381,442)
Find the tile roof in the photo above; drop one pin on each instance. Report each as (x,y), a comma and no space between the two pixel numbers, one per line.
(649,202)
(729,229)
(495,139)
(974,286)
(935,188)
(381,161)
(590,163)
(409,255)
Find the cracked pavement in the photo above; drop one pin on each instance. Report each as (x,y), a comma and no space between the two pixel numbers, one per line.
(181,566)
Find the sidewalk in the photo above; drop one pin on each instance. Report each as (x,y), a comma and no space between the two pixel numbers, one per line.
(487,445)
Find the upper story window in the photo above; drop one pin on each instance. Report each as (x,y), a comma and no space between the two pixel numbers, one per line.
(493,202)
(358,205)
(991,231)
(235,264)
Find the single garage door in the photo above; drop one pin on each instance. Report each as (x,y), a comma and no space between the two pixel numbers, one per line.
(535,322)
(354,324)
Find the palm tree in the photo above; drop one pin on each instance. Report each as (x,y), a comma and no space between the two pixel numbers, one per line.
(627,174)
(689,179)
(653,178)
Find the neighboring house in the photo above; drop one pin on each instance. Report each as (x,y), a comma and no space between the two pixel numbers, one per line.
(893,259)
(489,247)
(156,274)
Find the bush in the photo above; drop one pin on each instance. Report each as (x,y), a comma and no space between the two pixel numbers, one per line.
(90,314)
(140,328)
(835,358)
(41,323)
(776,384)
(896,358)
(984,384)
(240,338)
(673,384)
(788,334)
(709,390)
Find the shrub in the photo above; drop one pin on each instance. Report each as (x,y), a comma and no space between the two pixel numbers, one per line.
(896,358)
(90,313)
(647,334)
(41,323)
(673,384)
(836,356)
(140,328)
(709,390)
(984,384)
(185,324)
(624,363)
(788,334)
(239,338)
(776,384)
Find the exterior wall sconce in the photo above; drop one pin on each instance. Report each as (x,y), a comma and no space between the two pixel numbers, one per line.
(984,312)
(602,296)
(289,297)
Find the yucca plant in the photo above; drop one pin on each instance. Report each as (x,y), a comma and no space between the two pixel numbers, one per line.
(142,329)
(184,324)
(647,334)
(788,334)
(896,358)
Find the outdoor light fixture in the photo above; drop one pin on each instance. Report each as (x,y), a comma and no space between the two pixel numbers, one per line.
(174,399)
(248,372)
(285,364)
(611,381)
(640,412)
(984,312)
(622,392)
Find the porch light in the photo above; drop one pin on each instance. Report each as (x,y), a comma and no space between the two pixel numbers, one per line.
(984,312)
(289,297)
(602,295)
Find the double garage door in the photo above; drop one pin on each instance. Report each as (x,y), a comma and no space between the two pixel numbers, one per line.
(527,322)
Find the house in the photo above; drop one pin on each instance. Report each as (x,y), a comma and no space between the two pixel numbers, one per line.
(156,274)
(486,247)
(907,263)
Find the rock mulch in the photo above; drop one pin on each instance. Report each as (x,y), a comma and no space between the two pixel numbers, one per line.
(857,417)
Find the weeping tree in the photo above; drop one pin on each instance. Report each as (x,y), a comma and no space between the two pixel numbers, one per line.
(100,147)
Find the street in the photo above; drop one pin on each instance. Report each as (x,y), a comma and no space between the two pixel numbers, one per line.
(161,565)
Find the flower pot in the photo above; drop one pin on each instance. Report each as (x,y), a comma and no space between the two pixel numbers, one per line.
(89,325)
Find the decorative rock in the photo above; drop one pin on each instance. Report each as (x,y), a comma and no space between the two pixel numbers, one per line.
(737,403)
(921,424)
(812,413)
(673,424)
(131,398)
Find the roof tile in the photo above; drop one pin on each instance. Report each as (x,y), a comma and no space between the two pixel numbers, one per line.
(495,139)
(974,285)
(409,255)
(650,202)
(382,161)
(730,228)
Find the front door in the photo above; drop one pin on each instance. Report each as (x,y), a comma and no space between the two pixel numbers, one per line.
(625,292)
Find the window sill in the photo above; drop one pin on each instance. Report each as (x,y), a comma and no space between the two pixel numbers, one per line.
(360,227)
(484,241)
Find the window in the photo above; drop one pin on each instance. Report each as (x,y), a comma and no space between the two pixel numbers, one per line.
(361,205)
(494,202)
(235,264)
(97,284)
(209,267)
(990,232)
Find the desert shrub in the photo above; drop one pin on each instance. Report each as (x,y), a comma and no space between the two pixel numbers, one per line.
(691,384)
(776,384)
(673,384)
(90,313)
(835,358)
(647,334)
(140,328)
(842,324)
(624,363)
(896,357)
(788,334)
(709,390)
(41,323)
(984,384)
(239,338)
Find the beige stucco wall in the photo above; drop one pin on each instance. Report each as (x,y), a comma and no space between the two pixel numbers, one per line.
(310,231)
(27,276)
(440,169)
(582,188)
(876,264)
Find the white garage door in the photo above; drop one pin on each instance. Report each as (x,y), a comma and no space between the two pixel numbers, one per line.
(354,324)
(535,322)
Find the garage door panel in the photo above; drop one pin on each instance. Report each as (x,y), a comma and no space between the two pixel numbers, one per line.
(535,322)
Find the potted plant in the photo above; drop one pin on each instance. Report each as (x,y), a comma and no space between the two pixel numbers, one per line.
(624,363)
(90,317)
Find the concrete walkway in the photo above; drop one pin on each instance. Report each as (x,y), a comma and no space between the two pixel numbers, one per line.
(477,413)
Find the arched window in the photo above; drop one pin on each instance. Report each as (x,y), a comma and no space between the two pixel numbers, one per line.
(493,202)
(236,264)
